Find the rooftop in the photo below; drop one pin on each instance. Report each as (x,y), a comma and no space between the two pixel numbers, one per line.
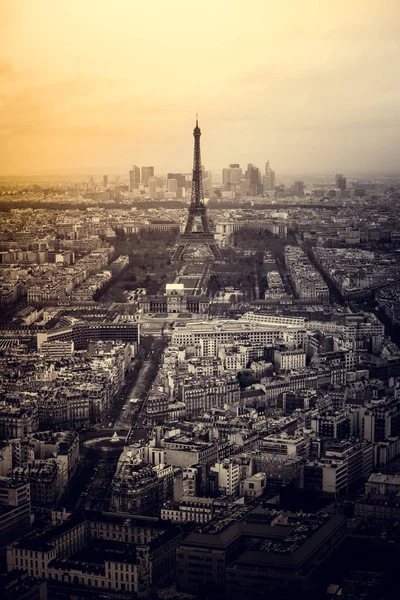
(383,478)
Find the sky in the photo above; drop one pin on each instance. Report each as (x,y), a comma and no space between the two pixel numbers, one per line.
(313,86)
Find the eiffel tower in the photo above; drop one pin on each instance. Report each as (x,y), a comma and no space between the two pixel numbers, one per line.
(197,231)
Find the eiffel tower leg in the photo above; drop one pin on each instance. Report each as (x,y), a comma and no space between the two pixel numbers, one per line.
(190,223)
(178,252)
(215,250)
(204,222)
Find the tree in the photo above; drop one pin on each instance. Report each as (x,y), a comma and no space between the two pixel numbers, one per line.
(120,233)
(213,286)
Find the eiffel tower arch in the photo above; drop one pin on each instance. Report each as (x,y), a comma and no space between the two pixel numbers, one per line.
(197,231)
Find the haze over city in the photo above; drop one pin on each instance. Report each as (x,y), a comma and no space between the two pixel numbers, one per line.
(313,86)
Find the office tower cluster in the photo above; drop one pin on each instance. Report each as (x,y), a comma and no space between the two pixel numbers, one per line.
(143,181)
(248,183)
(143,178)
(177,184)
(140,179)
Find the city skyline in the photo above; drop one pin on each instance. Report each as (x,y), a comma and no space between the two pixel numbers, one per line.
(313,92)
(199,334)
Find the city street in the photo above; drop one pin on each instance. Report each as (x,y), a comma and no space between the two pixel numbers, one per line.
(90,486)
(132,404)
(132,412)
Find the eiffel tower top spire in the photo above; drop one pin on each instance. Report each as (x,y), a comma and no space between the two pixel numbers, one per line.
(197,199)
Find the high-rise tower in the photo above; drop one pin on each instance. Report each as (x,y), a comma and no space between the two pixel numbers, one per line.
(134,178)
(254,176)
(197,230)
(298,188)
(147,172)
(268,179)
(341,182)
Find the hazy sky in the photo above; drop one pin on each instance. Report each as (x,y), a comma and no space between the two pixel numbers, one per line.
(310,85)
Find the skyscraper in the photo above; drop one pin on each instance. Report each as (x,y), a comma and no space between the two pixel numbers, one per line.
(226,173)
(117,191)
(105,181)
(269,178)
(254,176)
(180,183)
(244,187)
(172,186)
(180,178)
(134,178)
(188,181)
(298,188)
(207,183)
(232,175)
(235,173)
(152,186)
(341,182)
(147,172)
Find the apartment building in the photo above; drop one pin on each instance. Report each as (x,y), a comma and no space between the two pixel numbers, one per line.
(150,554)
(15,510)
(253,486)
(289,360)
(210,335)
(228,473)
